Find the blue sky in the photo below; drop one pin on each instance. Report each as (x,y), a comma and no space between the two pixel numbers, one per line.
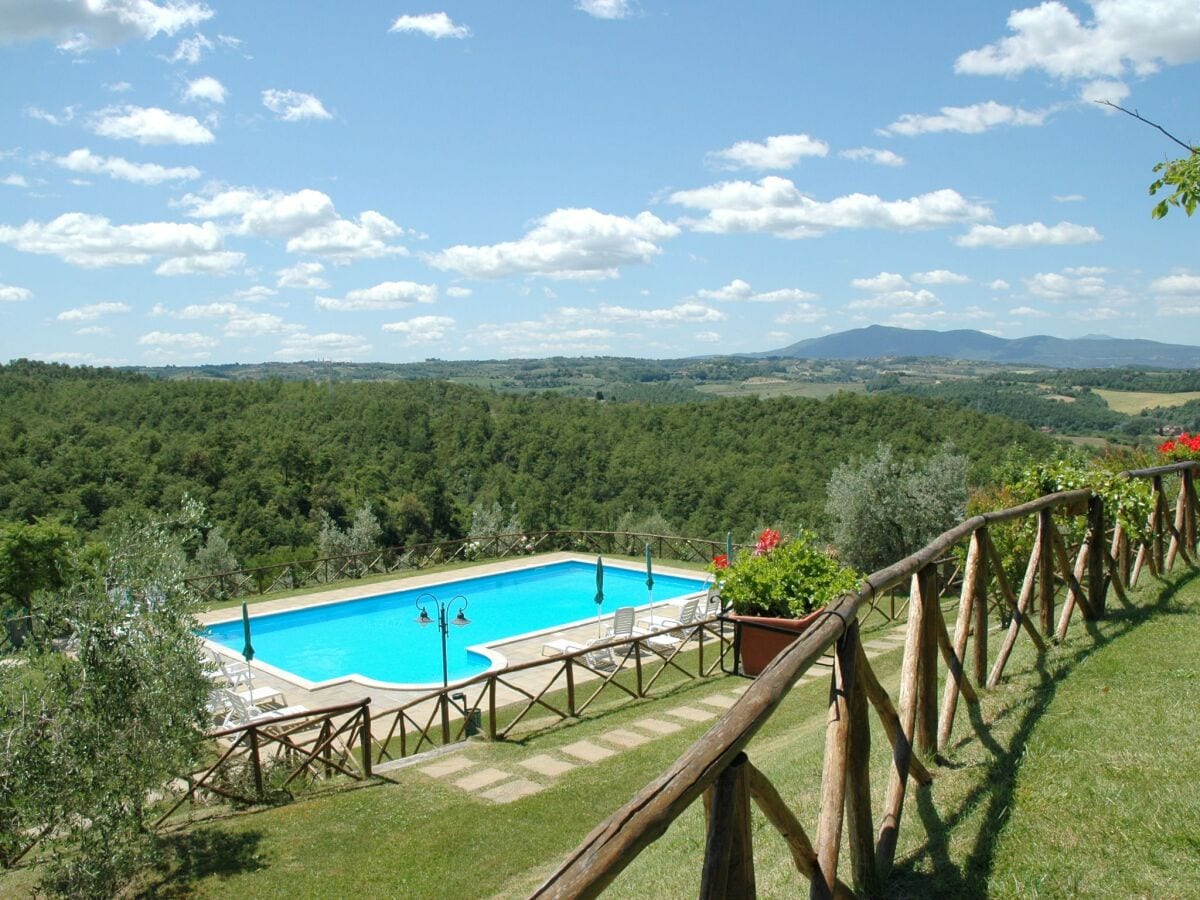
(188,182)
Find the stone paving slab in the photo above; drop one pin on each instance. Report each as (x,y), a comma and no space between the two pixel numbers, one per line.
(513,790)
(447,767)
(482,778)
(658,726)
(691,714)
(721,701)
(545,764)
(623,738)
(587,751)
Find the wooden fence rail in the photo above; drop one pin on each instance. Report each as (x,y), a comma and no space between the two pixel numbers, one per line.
(717,767)
(313,572)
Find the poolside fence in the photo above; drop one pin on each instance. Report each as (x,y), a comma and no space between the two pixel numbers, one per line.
(1070,553)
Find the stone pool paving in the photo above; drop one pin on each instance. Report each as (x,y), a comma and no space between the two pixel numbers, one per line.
(465,769)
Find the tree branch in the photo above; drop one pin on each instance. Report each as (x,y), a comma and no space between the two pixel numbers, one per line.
(1143,119)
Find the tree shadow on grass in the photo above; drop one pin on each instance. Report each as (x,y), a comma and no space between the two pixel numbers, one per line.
(941,876)
(187,857)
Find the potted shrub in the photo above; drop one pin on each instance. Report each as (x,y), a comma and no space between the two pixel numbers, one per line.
(777,591)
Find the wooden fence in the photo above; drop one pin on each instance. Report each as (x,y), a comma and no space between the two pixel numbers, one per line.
(326,570)
(718,769)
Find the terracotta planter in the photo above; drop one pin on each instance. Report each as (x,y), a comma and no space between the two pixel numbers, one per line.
(762,638)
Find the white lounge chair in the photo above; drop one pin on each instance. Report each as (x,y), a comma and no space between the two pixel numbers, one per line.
(223,699)
(235,674)
(241,713)
(687,616)
(623,622)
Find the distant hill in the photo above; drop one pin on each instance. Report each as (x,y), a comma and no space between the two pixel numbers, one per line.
(1093,351)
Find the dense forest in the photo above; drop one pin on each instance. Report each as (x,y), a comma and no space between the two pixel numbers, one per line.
(89,446)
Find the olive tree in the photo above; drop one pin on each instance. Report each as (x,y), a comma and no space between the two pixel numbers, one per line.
(101,711)
(884,508)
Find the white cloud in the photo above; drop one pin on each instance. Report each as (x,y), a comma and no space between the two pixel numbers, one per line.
(343,240)
(14,180)
(1178,306)
(93,241)
(541,338)
(10,293)
(208,311)
(119,87)
(1031,235)
(1104,90)
(434,25)
(998,285)
(206,88)
(803,314)
(270,213)
(93,331)
(884,281)
(903,299)
(388,295)
(177,341)
(739,291)
(1179,284)
(1057,286)
(223,262)
(150,125)
(304,276)
(78,24)
(190,50)
(680,313)
(567,243)
(940,276)
(775,206)
(255,324)
(1069,198)
(255,292)
(973,119)
(294,106)
(606,9)
(459,293)
(92,311)
(782,151)
(1028,312)
(872,155)
(707,337)
(86,162)
(331,345)
(1123,35)
(36,112)
(422,329)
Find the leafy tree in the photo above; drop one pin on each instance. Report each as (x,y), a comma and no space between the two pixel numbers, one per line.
(214,557)
(1183,174)
(32,559)
(91,732)
(362,535)
(885,508)
(488,519)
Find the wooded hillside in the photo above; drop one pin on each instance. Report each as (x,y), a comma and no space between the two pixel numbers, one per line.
(87,446)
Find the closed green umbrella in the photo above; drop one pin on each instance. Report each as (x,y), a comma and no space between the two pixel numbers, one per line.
(248,649)
(599,593)
(650,583)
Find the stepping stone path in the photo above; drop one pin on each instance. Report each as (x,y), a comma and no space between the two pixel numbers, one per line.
(494,785)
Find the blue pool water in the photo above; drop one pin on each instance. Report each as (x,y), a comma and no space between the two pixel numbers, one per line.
(377,638)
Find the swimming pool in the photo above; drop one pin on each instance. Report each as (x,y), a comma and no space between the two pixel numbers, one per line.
(377,641)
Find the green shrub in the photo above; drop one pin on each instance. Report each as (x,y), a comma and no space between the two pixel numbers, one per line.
(788,580)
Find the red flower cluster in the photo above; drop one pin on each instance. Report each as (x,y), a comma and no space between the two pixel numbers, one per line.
(1183,446)
(767,541)
(720,561)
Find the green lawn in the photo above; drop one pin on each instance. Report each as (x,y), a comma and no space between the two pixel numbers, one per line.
(1077,776)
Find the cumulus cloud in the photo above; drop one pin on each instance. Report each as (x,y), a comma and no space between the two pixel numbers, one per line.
(93,241)
(606,9)
(1122,36)
(541,338)
(775,206)
(149,125)
(88,163)
(966,119)
(680,313)
(884,281)
(567,243)
(388,295)
(901,299)
(782,151)
(435,25)
(872,155)
(458,293)
(10,293)
(422,329)
(294,106)
(330,345)
(998,285)
(36,112)
(223,262)
(92,311)
(304,276)
(803,314)
(940,276)
(707,337)
(1028,312)
(14,180)
(1184,284)
(79,24)
(1032,235)
(1061,286)
(1069,198)
(740,291)
(206,88)
(1104,91)
(190,50)
(190,340)
(343,240)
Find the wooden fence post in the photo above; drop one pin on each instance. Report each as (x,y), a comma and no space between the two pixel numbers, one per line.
(1097,584)
(837,753)
(1046,570)
(492,707)
(364,736)
(859,821)
(980,656)
(444,703)
(972,582)
(728,871)
(927,699)
(256,764)
(570,674)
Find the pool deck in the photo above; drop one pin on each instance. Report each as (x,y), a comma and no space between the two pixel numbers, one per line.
(521,648)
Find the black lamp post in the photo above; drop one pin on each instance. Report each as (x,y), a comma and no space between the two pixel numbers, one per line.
(443,610)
